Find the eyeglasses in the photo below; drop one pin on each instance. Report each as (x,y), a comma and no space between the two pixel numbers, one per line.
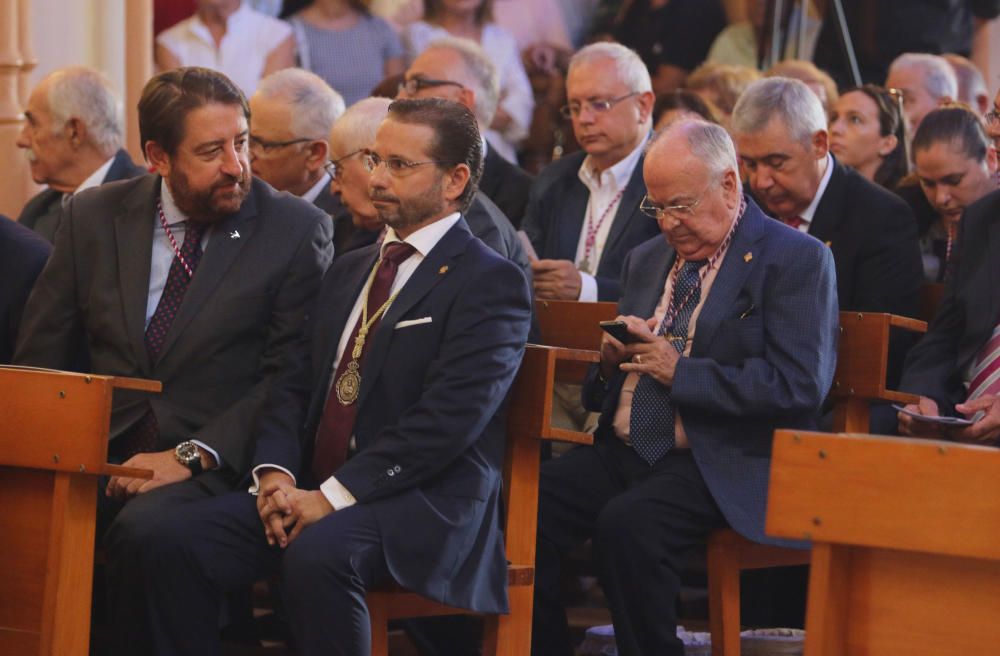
(992,118)
(333,166)
(676,212)
(415,84)
(598,106)
(397,165)
(267,147)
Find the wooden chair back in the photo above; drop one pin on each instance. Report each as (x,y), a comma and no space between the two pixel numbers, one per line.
(931,294)
(573,325)
(906,542)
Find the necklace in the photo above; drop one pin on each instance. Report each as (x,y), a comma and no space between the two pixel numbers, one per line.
(349,382)
(173,240)
(592,230)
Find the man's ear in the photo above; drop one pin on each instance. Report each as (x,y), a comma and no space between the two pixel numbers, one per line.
(455,182)
(646,101)
(467,97)
(157,158)
(319,153)
(820,144)
(75,132)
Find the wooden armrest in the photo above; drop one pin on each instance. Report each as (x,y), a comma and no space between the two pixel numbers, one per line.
(126,472)
(576,355)
(564,435)
(916,325)
(139,384)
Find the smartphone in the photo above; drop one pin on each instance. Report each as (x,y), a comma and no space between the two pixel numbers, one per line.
(945,421)
(618,330)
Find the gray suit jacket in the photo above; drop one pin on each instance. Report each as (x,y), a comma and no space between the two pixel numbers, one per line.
(43,212)
(233,332)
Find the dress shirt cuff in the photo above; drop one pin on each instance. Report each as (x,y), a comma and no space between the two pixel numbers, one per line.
(338,495)
(256,476)
(588,287)
(212,452)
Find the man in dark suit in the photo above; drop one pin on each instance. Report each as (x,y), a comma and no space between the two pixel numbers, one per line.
(199,277)
(459,70)
(732,332)
(293,113)
(72,136)
(583,213)
(22,256)
(954,367)
(396,473)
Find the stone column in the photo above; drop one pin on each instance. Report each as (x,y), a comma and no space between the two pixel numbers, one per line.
(138,66)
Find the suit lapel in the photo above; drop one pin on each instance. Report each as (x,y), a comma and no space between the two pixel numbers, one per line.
(733,272)
(830,209)
(574,218)
(432,270)
(134,242)
(225,242)
(650,290)
(627,208)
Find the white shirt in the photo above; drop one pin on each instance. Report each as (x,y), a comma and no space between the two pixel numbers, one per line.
(159,264)
(97,177)
(250,37)
(423,240)
(315,190)
(604,190)
(809,212)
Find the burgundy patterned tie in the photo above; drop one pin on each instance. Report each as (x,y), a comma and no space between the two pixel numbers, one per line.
(142,435)
(337,424)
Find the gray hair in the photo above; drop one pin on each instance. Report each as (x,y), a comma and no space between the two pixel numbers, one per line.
(481,74)
(631,69)
(787,100)
(86,95)
(708,142)
(971,83)
(939,77)
(315,105)
(356,129)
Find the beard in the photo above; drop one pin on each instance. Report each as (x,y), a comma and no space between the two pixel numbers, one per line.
(411,213)
(209,205)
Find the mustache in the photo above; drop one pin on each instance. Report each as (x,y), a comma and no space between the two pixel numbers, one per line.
(227,180)
(382,196)
(29,154)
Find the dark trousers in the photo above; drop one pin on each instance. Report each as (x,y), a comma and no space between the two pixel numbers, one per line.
(173,569)
(642,520)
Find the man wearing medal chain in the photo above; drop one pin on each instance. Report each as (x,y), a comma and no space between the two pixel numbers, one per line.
(200,277)
(734,319)
(396,473)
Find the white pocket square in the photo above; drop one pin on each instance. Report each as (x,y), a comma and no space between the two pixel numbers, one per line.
(412,322)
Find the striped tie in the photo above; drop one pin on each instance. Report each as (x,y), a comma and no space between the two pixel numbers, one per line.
(985,379)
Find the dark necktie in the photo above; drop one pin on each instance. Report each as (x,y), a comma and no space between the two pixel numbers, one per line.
(795,222)
(337,424)
(142,435)
(651,423)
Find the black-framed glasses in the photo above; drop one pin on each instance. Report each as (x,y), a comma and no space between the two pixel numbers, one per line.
(333,166)
(677,212)
(266,146)
(597,106)
(992,118)
(396,165)
(415,84)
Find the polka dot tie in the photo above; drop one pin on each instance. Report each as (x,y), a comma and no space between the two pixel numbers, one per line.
(651,424)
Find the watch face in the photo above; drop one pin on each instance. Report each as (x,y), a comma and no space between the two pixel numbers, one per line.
(186,452)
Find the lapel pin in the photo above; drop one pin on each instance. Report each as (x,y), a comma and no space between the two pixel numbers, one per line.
(443,270)
(235,234)
(748,256)
(829,244)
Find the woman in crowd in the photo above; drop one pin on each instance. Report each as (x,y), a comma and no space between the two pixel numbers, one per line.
(473,19)
(343,43)
(867,133)
(680,104)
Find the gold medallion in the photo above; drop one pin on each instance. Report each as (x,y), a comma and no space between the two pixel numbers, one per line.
(349,384)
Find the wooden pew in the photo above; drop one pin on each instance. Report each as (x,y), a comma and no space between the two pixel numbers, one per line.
(53,448)
(529,413)
(930,300)
(906,541)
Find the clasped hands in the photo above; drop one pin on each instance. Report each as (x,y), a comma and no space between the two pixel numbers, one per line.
(984,431)
(650,354)
(286,510)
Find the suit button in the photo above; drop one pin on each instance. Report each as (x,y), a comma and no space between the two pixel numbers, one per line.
(390,472)
(397,469)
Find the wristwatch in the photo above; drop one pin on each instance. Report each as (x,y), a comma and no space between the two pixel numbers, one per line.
(187,454)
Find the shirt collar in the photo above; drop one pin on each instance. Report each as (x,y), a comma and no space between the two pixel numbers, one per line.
(97,177)
(426,238)
(807,214)
(620,173)
(201,30)
(171,212)
(315,190)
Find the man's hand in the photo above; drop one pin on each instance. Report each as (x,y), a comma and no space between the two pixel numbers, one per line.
(612,352)
(308,507)
(165,468)
(556,280)
(916,428)
(652,354)
(987,429)
(272,505)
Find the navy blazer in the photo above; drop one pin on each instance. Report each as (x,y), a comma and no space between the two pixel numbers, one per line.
(506,184)
(970,309)
(763,356)
(556,215)
(430,431)
(22,256)
(43,212)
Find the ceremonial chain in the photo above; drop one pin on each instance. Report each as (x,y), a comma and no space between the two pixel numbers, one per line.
(592,230)
(173,241)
